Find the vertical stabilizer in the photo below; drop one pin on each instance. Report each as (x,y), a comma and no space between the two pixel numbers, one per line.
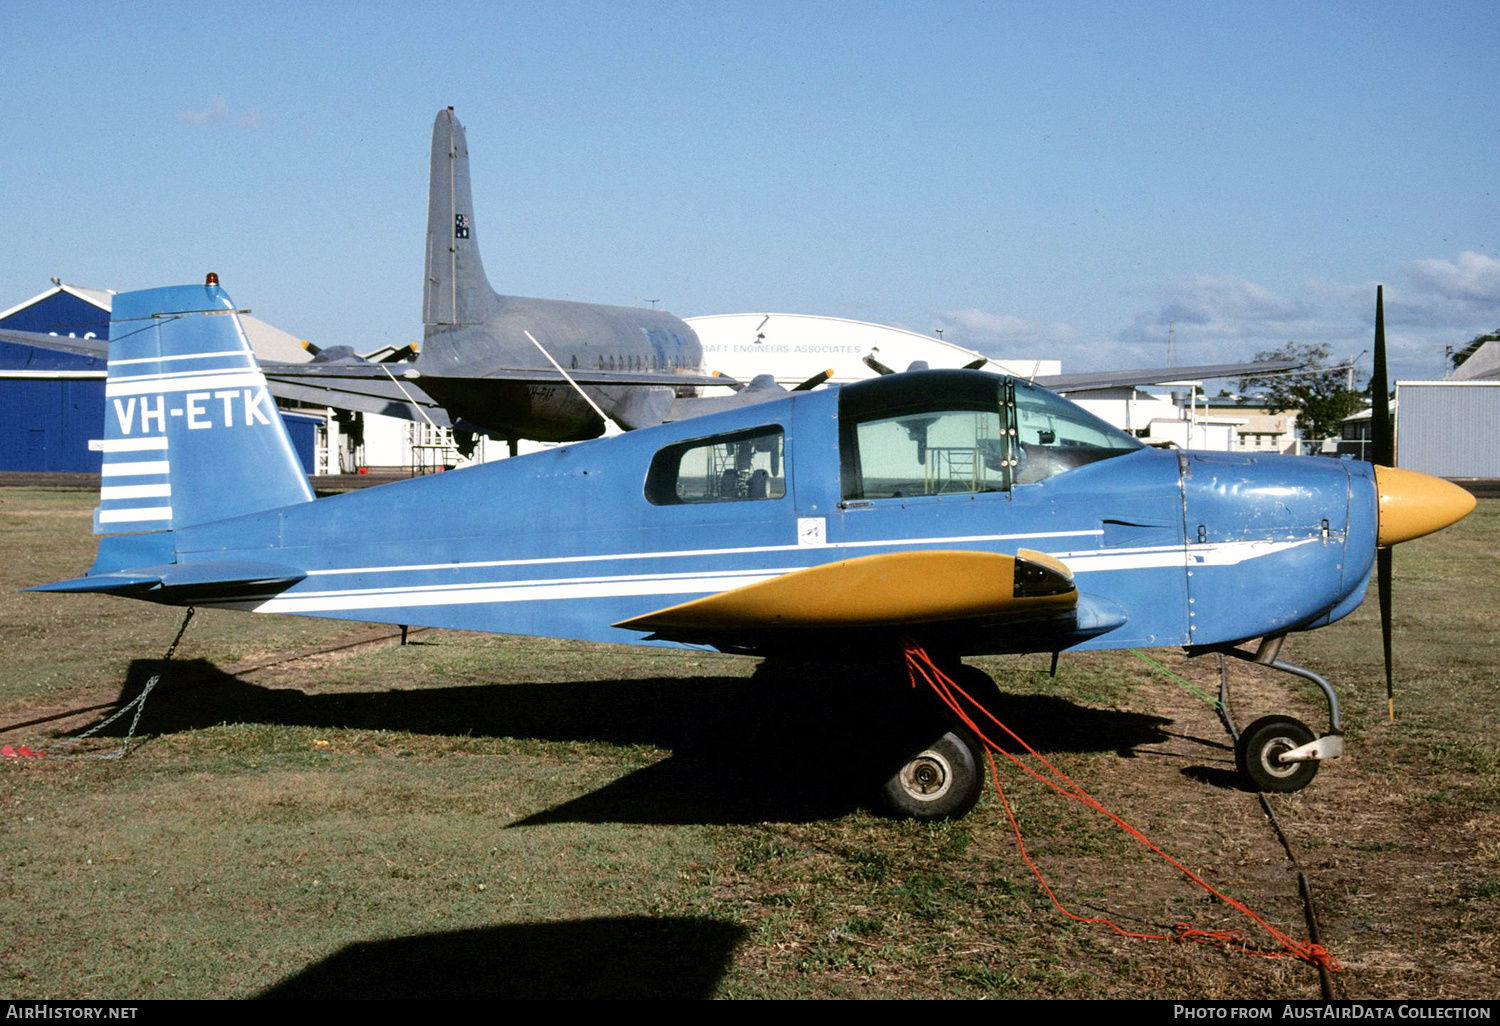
(455,289)
(190,431)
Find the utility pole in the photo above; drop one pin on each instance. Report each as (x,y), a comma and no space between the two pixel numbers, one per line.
(1349,371)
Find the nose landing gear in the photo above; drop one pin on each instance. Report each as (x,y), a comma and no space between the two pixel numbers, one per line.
(1261,754)
(1279,753)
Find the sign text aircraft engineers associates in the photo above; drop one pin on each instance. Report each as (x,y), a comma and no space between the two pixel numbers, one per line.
(969,512)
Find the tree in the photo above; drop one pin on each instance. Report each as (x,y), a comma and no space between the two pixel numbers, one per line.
(1473,347)
(1319,393)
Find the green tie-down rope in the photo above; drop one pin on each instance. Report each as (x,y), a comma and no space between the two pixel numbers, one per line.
(1179,678)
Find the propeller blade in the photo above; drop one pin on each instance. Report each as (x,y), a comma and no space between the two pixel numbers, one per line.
(814,381)
(1382,440)
(1383,584)
(406,352)
(876,366)
(1382,453)
(976,364)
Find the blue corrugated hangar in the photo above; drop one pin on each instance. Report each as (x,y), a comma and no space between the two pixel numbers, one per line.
(52,403)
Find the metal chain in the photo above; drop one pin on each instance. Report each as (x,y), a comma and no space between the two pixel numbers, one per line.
(138,703)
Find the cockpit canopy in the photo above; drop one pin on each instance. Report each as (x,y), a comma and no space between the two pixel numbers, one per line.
(962,432)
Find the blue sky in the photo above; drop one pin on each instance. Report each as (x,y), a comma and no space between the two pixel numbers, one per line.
(1040,180)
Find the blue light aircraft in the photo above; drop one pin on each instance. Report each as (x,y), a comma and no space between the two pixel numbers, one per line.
(970,512)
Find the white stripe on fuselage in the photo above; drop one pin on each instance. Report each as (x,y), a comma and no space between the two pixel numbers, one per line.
(710,582)
(126,516)
(181,356)
(181,381)
(1156,556)
(512,591)
(136,468)
(676,553)
(129,444)
(140,491)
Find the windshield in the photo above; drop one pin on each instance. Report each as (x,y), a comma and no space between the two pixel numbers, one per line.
(1054,435)
(958,432)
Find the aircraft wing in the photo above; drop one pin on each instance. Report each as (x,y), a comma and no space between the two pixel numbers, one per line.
(1157,375)
(391,397)
(1030,594)
(363,371)
(95,347)
(396,391)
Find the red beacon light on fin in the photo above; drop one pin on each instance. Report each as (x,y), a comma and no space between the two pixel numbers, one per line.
(212,279)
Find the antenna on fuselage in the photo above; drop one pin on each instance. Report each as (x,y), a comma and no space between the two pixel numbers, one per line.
(568,378)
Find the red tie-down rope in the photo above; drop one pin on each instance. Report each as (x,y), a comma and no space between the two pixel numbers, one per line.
(921,667)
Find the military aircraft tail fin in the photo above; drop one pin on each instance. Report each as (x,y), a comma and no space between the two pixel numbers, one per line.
(455,290)
(190,431)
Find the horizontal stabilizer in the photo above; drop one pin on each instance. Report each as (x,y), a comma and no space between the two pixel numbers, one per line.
(178,575)
(882,590)
(98,348)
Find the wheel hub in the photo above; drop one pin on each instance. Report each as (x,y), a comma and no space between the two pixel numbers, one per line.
(927,777)
(1271,753)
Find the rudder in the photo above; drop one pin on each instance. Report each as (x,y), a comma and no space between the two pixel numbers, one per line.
(455,290)
(190,431)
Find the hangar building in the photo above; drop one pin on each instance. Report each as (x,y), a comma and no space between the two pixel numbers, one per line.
(794,347)
(1448,428)
(52,404)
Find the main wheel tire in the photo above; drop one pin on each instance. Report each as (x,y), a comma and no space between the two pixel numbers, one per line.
(943,781)
(1259,749)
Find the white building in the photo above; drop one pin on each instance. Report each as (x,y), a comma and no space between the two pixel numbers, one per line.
(794,347)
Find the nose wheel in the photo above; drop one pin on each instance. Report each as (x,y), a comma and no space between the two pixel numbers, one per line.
(1261,751)
(1278,753)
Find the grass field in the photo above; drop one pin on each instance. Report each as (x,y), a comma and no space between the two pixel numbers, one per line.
(502,817)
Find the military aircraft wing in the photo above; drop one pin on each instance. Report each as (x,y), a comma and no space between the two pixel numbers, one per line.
(521,375)
(383,395)
(95,347)
(349,372)
(1157,375)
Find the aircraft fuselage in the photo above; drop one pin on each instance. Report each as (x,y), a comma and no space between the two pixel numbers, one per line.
(1166,547)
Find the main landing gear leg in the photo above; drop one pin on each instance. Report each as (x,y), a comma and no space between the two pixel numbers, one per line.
(1279,753)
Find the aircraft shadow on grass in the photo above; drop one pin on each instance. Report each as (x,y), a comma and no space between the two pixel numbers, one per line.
(625,957)
(774,746)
